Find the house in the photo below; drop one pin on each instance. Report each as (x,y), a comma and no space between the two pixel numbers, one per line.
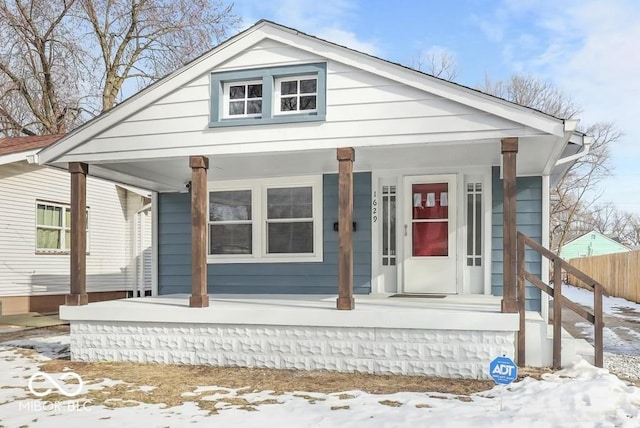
(35,233)
(287,169)
(590,244)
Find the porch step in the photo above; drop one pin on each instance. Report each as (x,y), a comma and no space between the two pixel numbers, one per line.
(539,344)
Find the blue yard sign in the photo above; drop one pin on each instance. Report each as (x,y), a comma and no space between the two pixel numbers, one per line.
(503,370)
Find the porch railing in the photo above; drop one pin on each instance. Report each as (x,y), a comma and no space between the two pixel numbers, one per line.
(559,300)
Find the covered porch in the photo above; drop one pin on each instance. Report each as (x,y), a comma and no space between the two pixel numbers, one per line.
(449,336)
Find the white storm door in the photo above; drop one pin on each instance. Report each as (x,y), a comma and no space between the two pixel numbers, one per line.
(430,234)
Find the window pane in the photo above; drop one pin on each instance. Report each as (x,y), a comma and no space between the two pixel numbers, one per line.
(236,92)
(288,88)
(385,225)
(49,215)
(290,237)
(431,239)
(67,239)
(230,205)
(254,107)
(236,107)
(255,91)
(392,226)
(308,103)
(67,217)
(230,239)
(48,238)
(294,202)
(428,201)
(288,104)
(308,86)
(470,224)
(478,224)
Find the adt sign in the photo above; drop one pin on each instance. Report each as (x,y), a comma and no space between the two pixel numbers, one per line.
(503,370)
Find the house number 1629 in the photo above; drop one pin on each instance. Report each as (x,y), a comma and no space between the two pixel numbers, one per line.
(374,207)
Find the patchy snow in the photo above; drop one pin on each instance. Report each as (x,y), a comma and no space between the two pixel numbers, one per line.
(580,395)
(615,306)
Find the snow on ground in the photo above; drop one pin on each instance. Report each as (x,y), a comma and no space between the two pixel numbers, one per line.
(578,396)
(614,306)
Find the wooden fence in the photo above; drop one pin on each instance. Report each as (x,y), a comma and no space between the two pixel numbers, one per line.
(619,273)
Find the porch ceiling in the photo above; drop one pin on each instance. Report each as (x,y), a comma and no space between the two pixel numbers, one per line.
(172,174)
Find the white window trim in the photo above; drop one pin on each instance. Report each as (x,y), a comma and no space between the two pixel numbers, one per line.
(278,96)
(259,219)
(227,100)
(62,249)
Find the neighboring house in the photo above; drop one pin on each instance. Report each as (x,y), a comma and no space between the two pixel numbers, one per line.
(250,150)
(35,233)
(590,244)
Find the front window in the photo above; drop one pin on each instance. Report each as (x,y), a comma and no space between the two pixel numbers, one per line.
(230,222)
(290,220)
(267,220)
(243,99)
(296,94)
(53,227)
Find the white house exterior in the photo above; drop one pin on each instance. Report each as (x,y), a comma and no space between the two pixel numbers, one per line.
(34,273)
(240,147)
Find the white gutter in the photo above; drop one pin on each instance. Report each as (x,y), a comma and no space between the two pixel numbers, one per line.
(587,142)
(570,126)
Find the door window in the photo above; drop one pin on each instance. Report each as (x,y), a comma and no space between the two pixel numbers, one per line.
(430,219)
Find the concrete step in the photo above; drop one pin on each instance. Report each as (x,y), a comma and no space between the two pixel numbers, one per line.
(539,344)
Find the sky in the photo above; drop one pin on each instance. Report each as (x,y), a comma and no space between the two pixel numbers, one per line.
(587,48)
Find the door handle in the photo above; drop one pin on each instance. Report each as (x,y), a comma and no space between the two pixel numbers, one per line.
(405,230)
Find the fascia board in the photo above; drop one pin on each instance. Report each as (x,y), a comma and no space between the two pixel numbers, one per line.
(16,157)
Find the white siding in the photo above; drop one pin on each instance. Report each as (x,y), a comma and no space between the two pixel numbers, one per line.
(361,107)
(22,271)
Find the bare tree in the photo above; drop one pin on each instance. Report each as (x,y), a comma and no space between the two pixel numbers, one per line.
(574,197)
(146,39)
(60,59)
(38,83)
(437,62)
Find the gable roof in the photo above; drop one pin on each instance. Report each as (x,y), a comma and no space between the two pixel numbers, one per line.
(265,29)
(609,238)
(24,144)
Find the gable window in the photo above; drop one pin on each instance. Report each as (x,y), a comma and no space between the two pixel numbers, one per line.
(243,99)
(53,227)
(268,220)
(294,93)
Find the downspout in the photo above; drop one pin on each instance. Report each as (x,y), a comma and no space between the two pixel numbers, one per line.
(587,142)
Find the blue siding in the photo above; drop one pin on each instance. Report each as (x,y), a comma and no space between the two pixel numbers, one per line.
(528,221)
(174,251)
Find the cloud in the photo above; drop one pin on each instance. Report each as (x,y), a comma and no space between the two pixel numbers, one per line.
(328,19)
(589,49)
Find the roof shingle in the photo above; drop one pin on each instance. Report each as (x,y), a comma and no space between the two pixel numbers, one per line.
(24,144)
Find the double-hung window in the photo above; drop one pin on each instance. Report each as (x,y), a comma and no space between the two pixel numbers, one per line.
(270,220)
(53,227)
(293,93)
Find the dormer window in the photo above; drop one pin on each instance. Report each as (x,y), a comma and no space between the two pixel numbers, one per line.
(243,99)
(296,94)
(287,94)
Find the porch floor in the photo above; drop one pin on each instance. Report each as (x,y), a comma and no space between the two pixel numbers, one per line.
(469,312)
